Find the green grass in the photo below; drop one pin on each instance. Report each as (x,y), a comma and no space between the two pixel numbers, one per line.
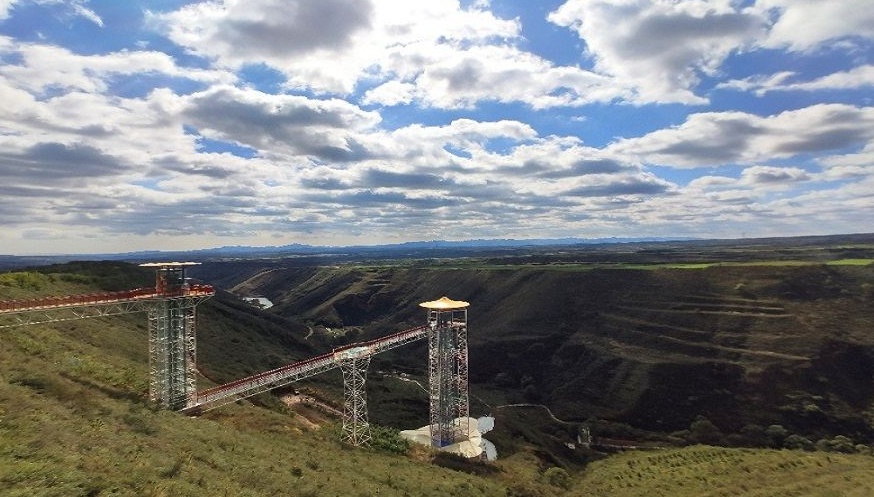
(711,471)
(577,266)
(774,263)
(850,262)
(74,421)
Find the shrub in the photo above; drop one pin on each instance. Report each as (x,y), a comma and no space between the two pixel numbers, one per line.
(139,424)
(388,440)
(776,435)
(703,431)
(797,442)
(843,444)
(755,435)
(24,280)
(503,379)
(735,440)
(76,278)
(839,443)
(456,462)
(174,470)
(557,477)
(531,393)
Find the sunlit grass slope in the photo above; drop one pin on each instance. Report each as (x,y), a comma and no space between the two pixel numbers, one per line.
(74,421)
(715,471)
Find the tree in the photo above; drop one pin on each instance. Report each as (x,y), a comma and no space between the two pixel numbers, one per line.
(838,444)
(557,477)
(776,435)
(702,431)
(797,442)
(755,435)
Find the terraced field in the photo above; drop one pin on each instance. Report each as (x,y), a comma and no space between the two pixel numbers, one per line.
(728,326)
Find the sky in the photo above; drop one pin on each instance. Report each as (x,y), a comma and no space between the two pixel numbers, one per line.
(178,125)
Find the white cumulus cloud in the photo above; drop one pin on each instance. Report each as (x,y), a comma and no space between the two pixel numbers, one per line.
(857,77)
(47,66)
(806,24)
(713,138)
(659,47)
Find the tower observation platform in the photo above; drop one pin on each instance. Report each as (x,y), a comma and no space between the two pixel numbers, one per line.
(447,371)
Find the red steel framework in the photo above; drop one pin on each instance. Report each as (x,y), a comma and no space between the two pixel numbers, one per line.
(48,303)
(172,352)
(171,308)
(252,385)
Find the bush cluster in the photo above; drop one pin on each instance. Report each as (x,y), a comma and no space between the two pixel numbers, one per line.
(557,477)
(703,431)
(388,440)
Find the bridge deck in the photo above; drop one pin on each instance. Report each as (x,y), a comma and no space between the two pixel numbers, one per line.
(49,303)
(261,382)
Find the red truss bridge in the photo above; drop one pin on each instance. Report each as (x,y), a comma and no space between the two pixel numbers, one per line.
(171,304)
(275,378)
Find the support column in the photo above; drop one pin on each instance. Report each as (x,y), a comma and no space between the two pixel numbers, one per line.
(447,371)
(462,400)
(173,353)
(356,429)
(441,365)
(158,392)
(190,351)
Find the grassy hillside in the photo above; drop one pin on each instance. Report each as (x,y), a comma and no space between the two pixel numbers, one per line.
(710,471)
(74,421)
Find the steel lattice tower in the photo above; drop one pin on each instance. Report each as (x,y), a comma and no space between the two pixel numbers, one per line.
(447,371)
(172,339)
(353,364)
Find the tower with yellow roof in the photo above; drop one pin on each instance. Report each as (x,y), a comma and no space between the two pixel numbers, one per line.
(447,371)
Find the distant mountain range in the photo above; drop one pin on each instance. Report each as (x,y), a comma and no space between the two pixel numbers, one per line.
(416,249)
(297,248)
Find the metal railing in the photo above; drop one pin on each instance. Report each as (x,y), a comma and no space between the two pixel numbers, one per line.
(275,378)
(44,303)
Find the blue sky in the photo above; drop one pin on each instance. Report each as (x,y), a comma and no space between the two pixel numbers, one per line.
(177,125)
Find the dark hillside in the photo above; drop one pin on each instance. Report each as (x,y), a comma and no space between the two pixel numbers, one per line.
(654,348)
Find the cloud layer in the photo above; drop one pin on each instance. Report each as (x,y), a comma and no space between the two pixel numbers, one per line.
(482,145)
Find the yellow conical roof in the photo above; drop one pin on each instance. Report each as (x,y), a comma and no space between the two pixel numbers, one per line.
(444,303)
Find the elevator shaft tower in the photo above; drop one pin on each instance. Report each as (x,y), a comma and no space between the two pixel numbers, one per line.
(172,338)
(447,371)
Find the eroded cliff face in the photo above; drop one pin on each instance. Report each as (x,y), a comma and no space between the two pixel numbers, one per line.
(654,348)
